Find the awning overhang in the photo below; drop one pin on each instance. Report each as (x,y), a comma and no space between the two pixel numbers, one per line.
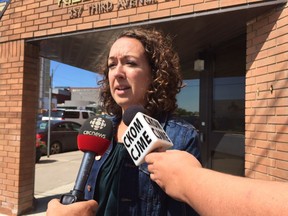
(193,33)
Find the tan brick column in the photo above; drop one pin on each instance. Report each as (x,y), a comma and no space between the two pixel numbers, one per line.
(19,80)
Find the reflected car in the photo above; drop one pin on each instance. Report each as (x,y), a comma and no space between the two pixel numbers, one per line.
(79,116)
(56,114)
(63,136)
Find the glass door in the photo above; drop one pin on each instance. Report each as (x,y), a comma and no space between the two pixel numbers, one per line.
(225,128)
(188,101)
(213,100)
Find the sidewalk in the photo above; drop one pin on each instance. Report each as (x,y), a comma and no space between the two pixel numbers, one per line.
(41,200)
(54,176)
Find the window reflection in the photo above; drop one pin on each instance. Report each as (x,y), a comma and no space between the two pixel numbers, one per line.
(229,104)
(188,102)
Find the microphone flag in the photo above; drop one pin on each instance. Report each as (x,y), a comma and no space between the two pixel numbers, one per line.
(144,135)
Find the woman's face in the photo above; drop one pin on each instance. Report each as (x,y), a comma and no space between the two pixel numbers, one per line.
(129,72)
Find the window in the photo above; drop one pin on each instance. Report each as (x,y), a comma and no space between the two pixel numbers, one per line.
(229,104)
(188,102)
(54,113)
(74,127)
(85,115)
(60,127)
(71,114)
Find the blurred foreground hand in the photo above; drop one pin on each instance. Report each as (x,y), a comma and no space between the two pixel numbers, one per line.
(84,208)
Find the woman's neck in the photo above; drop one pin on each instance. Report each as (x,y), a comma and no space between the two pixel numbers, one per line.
(120,131)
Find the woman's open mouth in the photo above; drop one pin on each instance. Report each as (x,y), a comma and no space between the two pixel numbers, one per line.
(121,89)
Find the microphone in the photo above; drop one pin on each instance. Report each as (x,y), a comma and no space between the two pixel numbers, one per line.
(143,135)
(93,139)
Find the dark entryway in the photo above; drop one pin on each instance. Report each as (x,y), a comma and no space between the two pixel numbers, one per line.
(214,101)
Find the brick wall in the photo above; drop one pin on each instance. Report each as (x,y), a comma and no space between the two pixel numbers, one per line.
(267,97)
(18,96)
(30,96)
(36,18)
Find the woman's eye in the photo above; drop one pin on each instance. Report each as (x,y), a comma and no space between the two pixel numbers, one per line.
(132,63)
(111,65)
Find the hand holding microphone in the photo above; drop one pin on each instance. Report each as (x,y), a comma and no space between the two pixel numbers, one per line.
(93,139)
(87,208)
(143,135)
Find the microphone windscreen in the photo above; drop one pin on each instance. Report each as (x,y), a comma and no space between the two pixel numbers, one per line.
(95,135)
(129,114)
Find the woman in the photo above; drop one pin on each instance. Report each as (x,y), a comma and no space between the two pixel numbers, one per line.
(142,69)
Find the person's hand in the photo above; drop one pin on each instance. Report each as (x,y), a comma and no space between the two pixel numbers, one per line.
(171,169)
(84,208)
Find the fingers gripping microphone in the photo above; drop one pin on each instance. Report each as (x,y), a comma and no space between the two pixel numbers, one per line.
(143,135)
(93,139)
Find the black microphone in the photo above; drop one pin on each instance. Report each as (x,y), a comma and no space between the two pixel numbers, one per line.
(143,135)
(93,139)
(130,113)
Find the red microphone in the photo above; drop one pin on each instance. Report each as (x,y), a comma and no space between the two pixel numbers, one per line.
(93,139)
(95,135)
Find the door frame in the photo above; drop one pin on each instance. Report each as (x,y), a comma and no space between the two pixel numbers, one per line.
(210,140)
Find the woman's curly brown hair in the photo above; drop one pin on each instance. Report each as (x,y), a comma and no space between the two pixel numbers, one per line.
(166,76)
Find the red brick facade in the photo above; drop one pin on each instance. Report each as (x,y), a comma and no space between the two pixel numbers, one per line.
(266,97)
(266,83)
(19,93)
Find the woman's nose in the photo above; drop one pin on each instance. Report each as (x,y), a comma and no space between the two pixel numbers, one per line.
(119,71)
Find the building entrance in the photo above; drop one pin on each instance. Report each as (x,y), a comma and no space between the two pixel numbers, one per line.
(213,101)
(213,98)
